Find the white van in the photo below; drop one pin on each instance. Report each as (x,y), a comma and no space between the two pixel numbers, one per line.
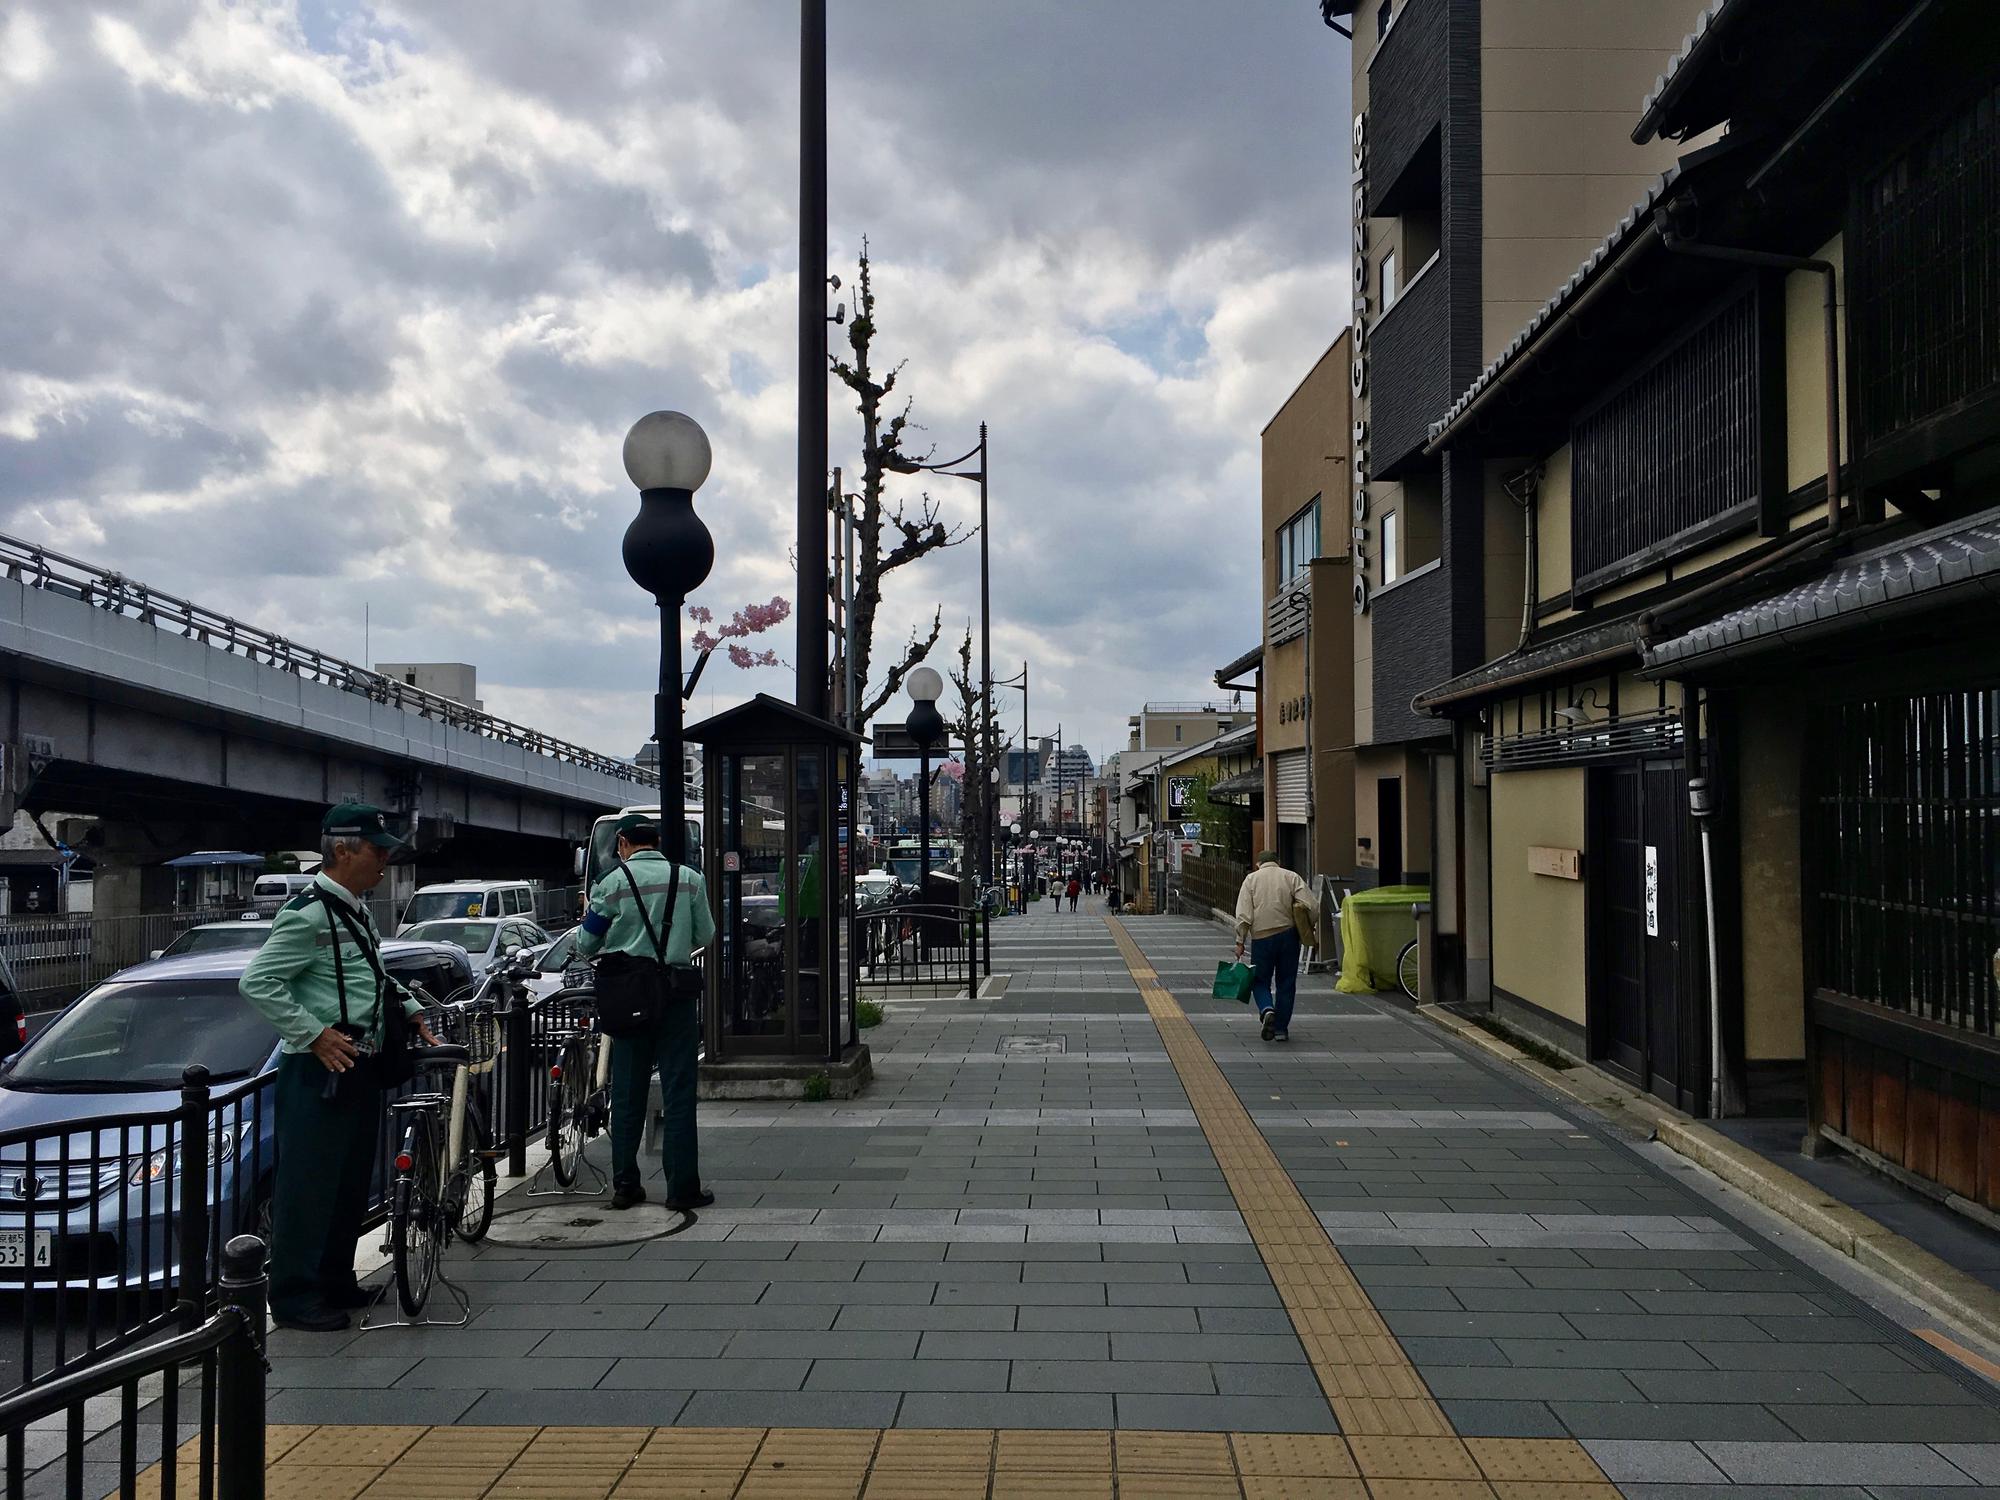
(273,891)
(469,899)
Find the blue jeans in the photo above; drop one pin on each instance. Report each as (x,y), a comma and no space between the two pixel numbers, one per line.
(1275,958)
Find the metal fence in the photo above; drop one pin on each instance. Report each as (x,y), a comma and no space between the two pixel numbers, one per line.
(916,943)
(221,1358)
(109,1224)
(56,956)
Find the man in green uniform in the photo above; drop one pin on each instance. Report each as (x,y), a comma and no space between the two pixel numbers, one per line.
(612,924)
(311,979)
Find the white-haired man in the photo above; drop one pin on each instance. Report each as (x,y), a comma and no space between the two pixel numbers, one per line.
(319,980)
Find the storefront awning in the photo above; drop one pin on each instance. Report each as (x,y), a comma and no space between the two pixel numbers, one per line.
(1241,787)
(1597,645)
(1952,565)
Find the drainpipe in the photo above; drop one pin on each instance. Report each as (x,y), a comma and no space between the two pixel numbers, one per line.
(1525,489)
(1701,803)
(1648,622)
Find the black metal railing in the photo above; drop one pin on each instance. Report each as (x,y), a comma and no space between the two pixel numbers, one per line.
(1672,451)
(915,943)
(1905,848)
(222,1358)
(1925,263)
(38,567)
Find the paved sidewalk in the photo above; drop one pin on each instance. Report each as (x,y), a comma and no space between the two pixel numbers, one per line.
(1098,1203)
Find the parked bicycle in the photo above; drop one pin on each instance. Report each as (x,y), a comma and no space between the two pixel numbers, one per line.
(579,1086)
(1406,969)
(425,1203)
(471,1149)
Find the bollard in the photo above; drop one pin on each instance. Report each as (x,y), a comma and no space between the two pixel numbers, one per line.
(239,1374)
(191,1279)
(514,1111)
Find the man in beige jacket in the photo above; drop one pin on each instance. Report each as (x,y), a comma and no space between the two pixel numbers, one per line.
(1264,919)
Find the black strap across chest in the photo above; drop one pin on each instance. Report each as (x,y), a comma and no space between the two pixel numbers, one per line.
(673,895)
(339,915)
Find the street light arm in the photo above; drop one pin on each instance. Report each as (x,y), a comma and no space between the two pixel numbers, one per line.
(901,465)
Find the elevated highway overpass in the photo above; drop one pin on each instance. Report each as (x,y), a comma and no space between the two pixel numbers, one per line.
(178,728)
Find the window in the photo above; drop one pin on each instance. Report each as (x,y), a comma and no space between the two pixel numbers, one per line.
(1671,456)
(1177,734)
(1391,564)
(1298,543)
(1385,17)
(1388,281)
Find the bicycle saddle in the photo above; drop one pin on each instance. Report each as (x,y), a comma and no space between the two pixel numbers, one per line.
(444,1052)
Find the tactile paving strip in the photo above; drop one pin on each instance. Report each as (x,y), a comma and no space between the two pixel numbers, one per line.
(750,1463)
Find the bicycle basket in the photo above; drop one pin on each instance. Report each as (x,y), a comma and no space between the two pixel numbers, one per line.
(474,1028)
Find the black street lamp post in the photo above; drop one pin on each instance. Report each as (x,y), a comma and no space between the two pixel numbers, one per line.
(925,725)
(668,552)
(955,469)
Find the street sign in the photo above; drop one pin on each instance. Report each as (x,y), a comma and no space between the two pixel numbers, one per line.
(894,742)
(1180,791)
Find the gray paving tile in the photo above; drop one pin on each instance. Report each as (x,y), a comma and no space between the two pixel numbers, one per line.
(1003,1409)
(1892,1424)
(1226,1413)
(1266,1380)
(706,1374)
(1499,1418)
(369,1408)
(1071,1345)
(843,1343)
(1980,1460)
(362,1371)
(1662,1461)
(790,1409)
(1848,1462)
(949,1319)
(1682,1420)
(1113,1375)
(540,1373)
(908,1375)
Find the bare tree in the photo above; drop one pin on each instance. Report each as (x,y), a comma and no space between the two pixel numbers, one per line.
(972,726)
(916,534)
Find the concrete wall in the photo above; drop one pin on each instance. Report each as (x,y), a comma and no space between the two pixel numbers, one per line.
(1805,367)
(1538,937)
(1770,763)
(1560,85)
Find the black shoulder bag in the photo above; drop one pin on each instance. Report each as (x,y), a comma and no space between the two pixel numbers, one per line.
(630,986)
(389,1063)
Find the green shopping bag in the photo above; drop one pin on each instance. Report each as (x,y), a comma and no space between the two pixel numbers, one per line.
(1232,982)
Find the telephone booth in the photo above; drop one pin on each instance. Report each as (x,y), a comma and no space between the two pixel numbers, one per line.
(779,1006)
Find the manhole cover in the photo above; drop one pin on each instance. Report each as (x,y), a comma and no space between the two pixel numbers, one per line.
(1030,1046)
(559,1224)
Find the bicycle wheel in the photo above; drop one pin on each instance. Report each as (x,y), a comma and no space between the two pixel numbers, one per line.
(415,1232)
(1406,969)
(474,1181)
(566,1111)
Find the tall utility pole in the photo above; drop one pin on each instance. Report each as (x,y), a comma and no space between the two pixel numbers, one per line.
(812,683)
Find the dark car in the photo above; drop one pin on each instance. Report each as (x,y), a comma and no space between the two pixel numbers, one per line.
(89,1189)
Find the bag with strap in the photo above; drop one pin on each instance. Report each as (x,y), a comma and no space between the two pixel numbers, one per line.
(631,987)
(391,1063)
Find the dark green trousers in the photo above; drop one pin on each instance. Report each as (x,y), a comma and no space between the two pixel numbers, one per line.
(671,1047)
(326,1155)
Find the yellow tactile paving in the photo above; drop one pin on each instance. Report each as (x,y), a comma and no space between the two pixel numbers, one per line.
(696,1463)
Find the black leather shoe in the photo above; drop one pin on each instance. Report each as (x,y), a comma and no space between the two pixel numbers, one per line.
(316,1320)
(700,1200)
(354,1297)
(625,1197)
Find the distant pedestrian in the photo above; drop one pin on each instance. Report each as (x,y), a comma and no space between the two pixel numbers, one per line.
(1270,909)
(1075,890)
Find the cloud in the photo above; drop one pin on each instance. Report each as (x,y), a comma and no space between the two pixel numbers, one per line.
(317,308)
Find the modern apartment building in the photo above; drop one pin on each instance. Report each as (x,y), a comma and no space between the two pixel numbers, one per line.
(1490,146)
(1306,686)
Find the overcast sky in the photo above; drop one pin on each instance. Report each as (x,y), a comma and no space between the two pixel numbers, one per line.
(311,305)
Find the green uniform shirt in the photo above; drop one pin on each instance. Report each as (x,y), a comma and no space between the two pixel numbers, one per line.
(612,924)
(290,980)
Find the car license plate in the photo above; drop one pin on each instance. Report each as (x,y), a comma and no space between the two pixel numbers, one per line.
(14,1249)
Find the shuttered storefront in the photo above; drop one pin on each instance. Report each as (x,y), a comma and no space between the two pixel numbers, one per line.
(1292,786)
